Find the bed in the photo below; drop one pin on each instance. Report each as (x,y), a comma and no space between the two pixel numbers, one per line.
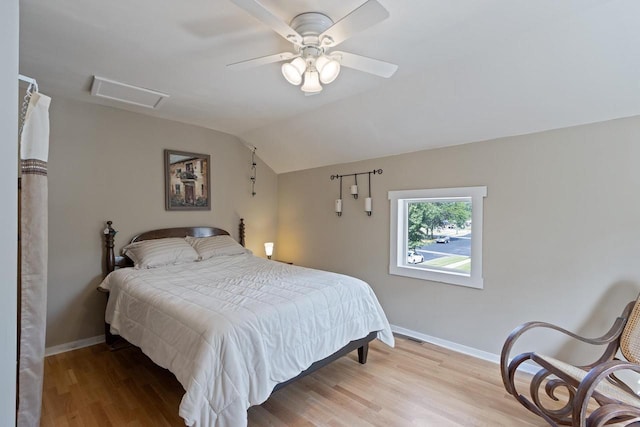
(232,327)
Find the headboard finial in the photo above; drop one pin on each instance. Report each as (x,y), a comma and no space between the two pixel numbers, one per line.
(109,236)
(241,230)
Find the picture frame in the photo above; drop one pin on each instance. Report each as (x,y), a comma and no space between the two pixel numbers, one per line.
(187,181)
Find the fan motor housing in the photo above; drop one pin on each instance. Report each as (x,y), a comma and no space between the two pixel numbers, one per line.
(310,25)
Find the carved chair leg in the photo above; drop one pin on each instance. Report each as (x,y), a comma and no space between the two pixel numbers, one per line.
(362,353)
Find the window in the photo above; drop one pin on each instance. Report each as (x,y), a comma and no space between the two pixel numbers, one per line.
(436,235)
(177,188)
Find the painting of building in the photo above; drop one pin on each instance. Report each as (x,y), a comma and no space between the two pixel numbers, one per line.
(187,180)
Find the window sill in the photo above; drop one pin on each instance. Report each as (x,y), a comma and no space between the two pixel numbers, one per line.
(450,278)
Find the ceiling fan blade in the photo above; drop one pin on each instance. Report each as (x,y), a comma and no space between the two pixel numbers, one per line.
(368,14)
(261,13)
(363,63)
(263,60)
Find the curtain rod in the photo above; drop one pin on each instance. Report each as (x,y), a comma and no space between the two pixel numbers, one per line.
(29,80)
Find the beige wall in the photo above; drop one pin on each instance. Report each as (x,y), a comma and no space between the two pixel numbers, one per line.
(561,231)
(561,220)
(107,164)
(9,197)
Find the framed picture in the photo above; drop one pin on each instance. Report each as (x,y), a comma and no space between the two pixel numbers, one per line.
(187,181)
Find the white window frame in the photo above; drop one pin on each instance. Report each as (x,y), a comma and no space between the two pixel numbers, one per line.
(399,202)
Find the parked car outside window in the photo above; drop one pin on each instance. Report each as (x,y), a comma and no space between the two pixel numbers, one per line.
(443,239)
(414,258)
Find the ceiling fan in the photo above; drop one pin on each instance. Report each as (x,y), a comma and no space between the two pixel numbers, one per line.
(314,35)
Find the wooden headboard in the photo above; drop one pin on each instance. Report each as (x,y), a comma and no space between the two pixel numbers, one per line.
(113,261)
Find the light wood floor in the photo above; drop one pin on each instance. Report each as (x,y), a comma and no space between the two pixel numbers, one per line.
(414,384)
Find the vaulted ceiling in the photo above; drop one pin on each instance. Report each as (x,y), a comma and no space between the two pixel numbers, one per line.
(469,70)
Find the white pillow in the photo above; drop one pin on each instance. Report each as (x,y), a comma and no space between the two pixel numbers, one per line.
(159,252)
(208,247)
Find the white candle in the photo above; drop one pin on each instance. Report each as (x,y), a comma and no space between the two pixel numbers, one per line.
(338,205)
(367,204)
(354,189)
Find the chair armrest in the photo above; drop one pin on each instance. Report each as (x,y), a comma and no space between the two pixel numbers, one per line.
(587,388)
(610,337)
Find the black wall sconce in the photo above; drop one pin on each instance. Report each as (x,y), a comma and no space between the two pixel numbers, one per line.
(254,171)
(338,206)
(354,190)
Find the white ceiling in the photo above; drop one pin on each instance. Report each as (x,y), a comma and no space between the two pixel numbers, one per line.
(469,70)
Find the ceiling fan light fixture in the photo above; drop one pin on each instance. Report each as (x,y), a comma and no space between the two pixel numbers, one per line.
(328,68)
(312,34)
(292,71)
(311,82)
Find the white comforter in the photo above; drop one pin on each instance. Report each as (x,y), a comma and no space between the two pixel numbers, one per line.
(232,327)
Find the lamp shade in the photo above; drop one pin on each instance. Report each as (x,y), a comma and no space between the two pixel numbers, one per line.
(268,249)
(292,71)
(311,82)
(328,69)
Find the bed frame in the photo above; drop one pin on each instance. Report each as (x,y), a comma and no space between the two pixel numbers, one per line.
(112,262)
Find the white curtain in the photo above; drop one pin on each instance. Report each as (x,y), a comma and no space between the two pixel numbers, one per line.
(34,152)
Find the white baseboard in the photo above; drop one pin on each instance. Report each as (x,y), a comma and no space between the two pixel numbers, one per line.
(470,351)
(74,345)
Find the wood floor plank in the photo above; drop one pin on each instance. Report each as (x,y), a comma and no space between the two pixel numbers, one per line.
(414,384)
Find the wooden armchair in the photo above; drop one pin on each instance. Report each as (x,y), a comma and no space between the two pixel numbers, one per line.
(594,395)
